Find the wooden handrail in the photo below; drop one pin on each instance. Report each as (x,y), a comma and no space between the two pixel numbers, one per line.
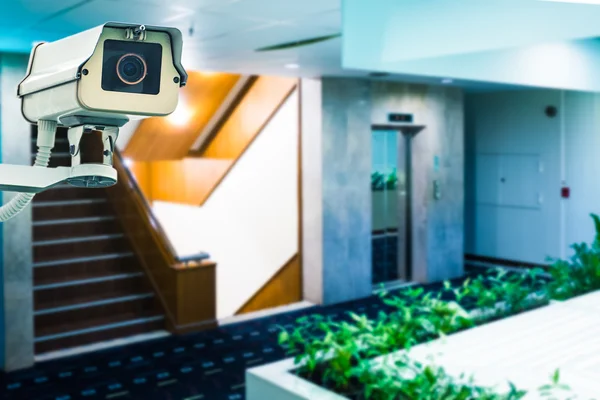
(144,208)
(159,260)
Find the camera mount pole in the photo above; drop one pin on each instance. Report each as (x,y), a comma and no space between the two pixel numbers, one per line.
(92,175)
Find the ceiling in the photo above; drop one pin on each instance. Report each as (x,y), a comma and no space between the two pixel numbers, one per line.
(219,35)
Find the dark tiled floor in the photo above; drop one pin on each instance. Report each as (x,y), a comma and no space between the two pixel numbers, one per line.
(207,365)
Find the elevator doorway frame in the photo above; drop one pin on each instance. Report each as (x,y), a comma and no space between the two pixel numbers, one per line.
(405,262)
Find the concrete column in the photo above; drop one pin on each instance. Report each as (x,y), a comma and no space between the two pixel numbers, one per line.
(347,218)
(16,291)
(336,143)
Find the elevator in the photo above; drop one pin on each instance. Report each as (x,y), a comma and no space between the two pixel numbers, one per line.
(392,203)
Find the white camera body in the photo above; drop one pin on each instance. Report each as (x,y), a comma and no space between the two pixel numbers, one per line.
(104,76)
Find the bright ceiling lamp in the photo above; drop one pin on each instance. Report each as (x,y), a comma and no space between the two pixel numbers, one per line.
(128,162)
(182,114)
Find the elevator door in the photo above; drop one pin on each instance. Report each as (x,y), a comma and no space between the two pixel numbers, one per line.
(389,206)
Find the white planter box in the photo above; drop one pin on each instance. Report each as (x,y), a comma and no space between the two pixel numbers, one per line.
(525,349)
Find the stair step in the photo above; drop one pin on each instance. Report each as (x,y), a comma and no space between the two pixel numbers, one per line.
(69,227)
(55,249)
(96,303)
(84,267)
(107,332)
(41,204)
(70,209)
(61,262)
(77,282)
(70,295)
(93,316)
(65,192)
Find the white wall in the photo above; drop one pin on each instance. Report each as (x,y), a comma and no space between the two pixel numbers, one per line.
(509,137)
(249,225)
(582,169)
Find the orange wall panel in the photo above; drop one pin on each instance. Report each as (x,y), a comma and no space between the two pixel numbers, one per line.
(247,120)
(282,289)
(187,181)
(162,138)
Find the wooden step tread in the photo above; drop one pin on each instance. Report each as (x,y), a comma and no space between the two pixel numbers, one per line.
(102,325)
(80,220)
(90,292)
(82,246)
(78,239)
(78,260)
(62,203)
(69,281)
(134,327)
(84,272)
(97,303)
(96,316)
(73,209)
(69,227)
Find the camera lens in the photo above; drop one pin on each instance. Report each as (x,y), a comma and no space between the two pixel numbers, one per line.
(131,69)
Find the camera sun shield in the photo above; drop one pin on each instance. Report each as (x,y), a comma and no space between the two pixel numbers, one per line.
(131,67)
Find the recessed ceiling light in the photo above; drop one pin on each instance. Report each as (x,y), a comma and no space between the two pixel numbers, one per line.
(378,74)
(128,162)
(447,81)
(292,66)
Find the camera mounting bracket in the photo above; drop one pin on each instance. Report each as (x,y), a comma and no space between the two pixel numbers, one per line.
(32,179)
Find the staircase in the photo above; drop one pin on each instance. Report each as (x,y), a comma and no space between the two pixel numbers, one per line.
(88,284)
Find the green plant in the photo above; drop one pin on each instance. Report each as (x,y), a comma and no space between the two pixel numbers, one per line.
(381,181)
(391,181)
(340,351)
(408,379)
(377,181)
(339,355)
(554,387)
(581,273)
(501,293)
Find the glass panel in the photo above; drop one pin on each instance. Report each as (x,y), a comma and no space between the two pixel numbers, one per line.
(384,194)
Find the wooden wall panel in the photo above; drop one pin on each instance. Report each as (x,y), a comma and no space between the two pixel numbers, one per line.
(159,138)
(187,181)
(285,287)
(250,116)
(196,302)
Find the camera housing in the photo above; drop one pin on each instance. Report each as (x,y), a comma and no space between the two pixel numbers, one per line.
(104,76)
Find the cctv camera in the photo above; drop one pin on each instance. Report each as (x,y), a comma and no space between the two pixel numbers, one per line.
(104,75)
(92,81)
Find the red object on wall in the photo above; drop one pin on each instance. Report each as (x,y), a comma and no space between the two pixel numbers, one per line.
(565,192)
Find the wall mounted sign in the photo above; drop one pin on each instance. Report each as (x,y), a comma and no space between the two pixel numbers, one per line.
(396,117)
